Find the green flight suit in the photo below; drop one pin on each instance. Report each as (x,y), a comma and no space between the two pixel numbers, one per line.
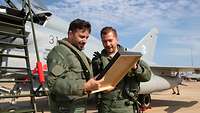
(68,70)
(123,99)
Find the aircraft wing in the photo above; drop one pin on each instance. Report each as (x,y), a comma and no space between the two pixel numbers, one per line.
(174,68)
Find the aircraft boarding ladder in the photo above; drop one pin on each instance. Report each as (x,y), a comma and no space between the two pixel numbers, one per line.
(14,36)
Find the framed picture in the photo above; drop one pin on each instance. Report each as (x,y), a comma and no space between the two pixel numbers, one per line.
(117,68)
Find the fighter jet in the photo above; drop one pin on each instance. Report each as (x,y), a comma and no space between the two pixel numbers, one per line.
(191,76)
(166,76)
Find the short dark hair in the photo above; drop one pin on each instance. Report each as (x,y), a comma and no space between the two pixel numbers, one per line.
(108,29)
(79,24)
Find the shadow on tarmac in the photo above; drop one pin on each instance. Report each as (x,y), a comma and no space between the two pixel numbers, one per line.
(172,105)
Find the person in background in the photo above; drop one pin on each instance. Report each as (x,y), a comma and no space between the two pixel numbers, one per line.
(174,92)
(177,92)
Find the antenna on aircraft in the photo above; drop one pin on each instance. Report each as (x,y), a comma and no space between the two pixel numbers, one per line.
(191,56)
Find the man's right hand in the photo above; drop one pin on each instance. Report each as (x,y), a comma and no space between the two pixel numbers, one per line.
(91,85)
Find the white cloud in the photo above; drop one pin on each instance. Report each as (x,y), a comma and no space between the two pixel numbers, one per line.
(176,19)
(120,10)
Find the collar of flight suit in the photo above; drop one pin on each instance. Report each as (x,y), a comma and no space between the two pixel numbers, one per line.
(105,58)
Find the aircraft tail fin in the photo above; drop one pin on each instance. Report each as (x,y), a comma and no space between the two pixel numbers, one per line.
(147,45)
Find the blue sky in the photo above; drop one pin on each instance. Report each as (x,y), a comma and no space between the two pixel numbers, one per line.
(178,22)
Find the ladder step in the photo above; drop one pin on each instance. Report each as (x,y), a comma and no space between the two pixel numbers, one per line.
(10,45)
(15,68)
(19,111)
(12,34)
(11,18)
(11,29)
(13,71)
(15,96)
(14,76)
(13,11)
(11,25)
(13,56)
(13,80)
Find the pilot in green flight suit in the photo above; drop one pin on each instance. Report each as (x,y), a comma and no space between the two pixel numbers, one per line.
(123,99)
(69,71)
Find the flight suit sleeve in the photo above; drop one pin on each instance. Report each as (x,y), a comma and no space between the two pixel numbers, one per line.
(63,80)
(143,72)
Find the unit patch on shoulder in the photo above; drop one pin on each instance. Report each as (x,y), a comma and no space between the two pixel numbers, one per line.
(58,70)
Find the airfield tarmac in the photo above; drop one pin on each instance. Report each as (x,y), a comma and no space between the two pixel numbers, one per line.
(162,102)
(187,102)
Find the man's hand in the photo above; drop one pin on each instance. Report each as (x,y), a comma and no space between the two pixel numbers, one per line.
(135,66)
(91,85)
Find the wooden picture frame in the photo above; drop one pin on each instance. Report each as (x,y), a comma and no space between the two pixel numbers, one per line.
(117,68)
